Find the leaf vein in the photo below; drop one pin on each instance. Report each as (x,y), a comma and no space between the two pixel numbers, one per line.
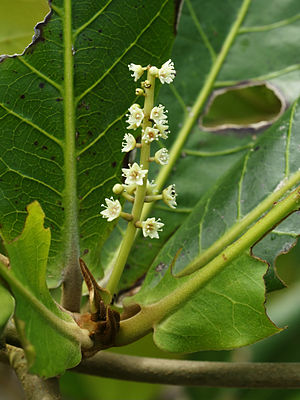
(108,70)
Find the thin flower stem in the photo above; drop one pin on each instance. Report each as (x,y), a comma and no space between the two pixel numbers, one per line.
(156,197)
(128,197)
(139,196)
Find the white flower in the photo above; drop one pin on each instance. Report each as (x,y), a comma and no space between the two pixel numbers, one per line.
(137,70)
(151,227)
(150,134)
(167,72)
(134,175)
(128,143)
(158,115)
(163,130)
(151,188)
(169,196)
(135,117)
(162,156)
(113,209)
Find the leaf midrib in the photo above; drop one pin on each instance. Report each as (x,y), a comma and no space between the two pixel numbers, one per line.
(70,168)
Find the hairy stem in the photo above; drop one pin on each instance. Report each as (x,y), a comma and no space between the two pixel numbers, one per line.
(139,325)
(72,281)
(35,388)
(199,103)
(139,196)
(192,373)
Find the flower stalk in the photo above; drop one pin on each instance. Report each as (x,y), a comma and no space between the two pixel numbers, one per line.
(152,120)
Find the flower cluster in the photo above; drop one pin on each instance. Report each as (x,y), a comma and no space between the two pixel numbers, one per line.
(152,122)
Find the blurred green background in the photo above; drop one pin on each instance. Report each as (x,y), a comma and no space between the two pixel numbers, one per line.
(17,19)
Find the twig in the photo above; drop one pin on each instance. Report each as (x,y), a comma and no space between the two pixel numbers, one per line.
(35,388)
(192,373)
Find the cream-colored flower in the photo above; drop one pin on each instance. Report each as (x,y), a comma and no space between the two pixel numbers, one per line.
(151,188)
(137,70)
(113,209)
(128,143)
(151,227)
(169,196)
(162,156)
(150,134)
(163,130)
(158,115)
(167,72)
(135,116)
(134,174)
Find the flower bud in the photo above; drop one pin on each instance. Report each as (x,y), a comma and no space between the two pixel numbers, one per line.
(118,188)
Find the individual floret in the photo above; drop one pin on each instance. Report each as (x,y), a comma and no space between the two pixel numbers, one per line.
(128,143)
(151,188)
(135,116)
(151,227)
(134,174)
(150,134)
(158,115)
(113,209)
(162,156)
(167,72)
(137,70)
(163,130)
(169,196)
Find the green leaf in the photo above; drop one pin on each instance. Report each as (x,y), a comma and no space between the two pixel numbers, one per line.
(7,307)
(253,184)
(62,107)
(219,44)
(50,334)
(227,313)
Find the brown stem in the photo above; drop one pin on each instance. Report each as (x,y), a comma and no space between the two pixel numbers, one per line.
(192,373)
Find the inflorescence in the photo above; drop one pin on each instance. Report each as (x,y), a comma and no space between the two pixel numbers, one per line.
(154,126)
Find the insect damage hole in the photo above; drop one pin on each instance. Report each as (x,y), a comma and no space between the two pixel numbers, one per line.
(252,106)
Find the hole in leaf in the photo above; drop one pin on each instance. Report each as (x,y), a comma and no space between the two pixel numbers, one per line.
(247,106)
(17,21)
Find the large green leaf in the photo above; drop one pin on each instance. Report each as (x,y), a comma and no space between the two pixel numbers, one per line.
(268,168)
(62,105)
(219,44)
(49,342)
